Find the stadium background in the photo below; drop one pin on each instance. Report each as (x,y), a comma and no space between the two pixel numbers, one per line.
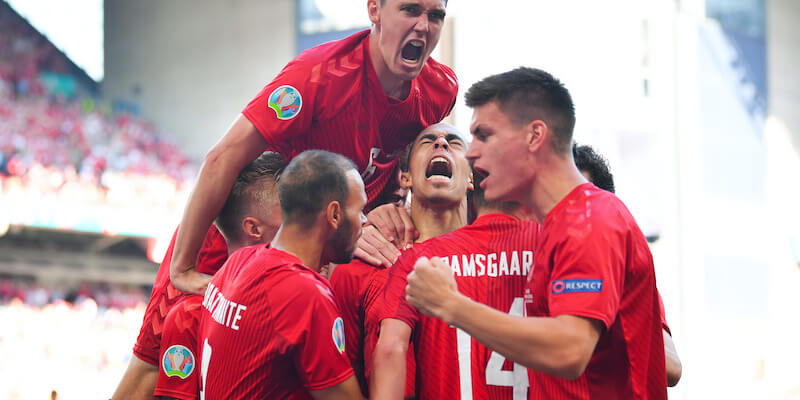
(693,102)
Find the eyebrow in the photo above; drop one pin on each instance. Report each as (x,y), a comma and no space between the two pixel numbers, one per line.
(449,137)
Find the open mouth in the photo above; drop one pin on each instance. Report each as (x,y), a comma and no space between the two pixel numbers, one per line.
(412,51)
(439,167)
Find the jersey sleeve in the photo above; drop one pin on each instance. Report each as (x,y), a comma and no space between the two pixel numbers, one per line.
(346,285)
(284,108)
(588,272)
(310,322)
(178,372)
(394,304)
(662,315)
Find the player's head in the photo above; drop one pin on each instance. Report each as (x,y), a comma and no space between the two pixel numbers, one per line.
(438,171)
(396,193)
(252,213)
(519,116)
(407,31)
(319,189)
(593,166)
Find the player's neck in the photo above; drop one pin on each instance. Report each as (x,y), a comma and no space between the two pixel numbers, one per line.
(305,244)
(432,220)
(392,85)
(558,179)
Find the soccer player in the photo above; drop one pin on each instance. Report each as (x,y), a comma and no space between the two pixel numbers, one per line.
(270,326)
(251,216)
(490,259)
(438,175)
(592,326)
(366,97)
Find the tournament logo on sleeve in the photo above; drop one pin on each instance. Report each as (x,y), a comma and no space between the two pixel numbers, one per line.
(338,334)
(178,361)
(286,102)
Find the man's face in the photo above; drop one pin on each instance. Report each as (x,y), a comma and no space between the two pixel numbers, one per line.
(408,30)
(438,167)
(343,242)
(499,152)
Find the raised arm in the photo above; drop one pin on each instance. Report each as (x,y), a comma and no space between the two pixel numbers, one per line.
(240,145)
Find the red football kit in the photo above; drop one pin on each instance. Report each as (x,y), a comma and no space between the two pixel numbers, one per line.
(358,289)
(212,255)
(329,98)
(270,329)
(490,259)
(593,261)
(179,374)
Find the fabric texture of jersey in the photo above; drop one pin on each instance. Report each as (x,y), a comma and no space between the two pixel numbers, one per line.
(343,108)
(270,329)
(180,329)
(593,261)
(210,258)
(490,260)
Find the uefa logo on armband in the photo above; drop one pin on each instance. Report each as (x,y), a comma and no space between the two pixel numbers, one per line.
(338,334)
(178,361)
(286,102)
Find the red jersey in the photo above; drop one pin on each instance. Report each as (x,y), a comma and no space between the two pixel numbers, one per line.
(357,287)
(270,329)
(330,98)
(212,255)
(179,373)
(593,261)
(490,260)
(350,283)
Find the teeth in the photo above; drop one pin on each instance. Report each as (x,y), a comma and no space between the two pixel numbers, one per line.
(416,43)
(439,159)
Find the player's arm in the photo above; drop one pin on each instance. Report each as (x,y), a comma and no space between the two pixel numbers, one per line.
(241,145)
(388,379)
(343,391)
(674,366)
(560,346)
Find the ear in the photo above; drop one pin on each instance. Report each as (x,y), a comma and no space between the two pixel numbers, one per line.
(252,228)
(334,214)
(404,178)
(374,11)
(538,133)
(470,183)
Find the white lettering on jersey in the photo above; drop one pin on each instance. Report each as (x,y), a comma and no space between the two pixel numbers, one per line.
(518,263)
(225,312)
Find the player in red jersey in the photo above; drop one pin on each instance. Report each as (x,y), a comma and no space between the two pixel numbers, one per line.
(366,97)
(251,216)
(141,376)
(270,326)
(490,259)
(586,335)
(439,146)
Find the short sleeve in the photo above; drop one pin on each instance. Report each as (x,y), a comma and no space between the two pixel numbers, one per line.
(284,109)
(346,282)
(588,272)
(310,322)
(178,371)
(394,304)
(662,314)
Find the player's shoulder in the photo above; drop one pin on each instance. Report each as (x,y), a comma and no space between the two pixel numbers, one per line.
(438,78)
(592,212)
(355,270)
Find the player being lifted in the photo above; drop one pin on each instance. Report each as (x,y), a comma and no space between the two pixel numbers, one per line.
(366,97)
(251,216)
(270,326)
(586,333)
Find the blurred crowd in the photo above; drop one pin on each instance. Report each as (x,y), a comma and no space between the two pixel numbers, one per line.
(70,153)
(102,294)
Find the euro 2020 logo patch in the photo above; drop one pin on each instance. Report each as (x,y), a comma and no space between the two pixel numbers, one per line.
(338,334)
(286,102)
(178,361)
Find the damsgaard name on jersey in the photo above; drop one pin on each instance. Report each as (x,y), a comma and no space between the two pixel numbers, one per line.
(492,264)
(224,311)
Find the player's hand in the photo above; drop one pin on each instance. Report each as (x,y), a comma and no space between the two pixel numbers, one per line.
(431,288)
(191,281)
(395,224)
(374,249)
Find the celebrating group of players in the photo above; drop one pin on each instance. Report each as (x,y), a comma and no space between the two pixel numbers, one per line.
(507,275)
